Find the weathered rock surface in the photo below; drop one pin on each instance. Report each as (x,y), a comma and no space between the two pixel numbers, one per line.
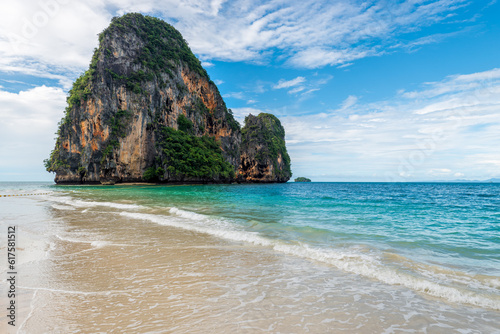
(142,81)
(263,152)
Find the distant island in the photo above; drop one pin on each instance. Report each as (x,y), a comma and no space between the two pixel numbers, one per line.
(147,111)
(302,179)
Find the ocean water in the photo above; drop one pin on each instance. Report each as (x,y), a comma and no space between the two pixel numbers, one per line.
(291,258)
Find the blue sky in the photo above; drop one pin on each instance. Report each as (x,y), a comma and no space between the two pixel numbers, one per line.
(366,90)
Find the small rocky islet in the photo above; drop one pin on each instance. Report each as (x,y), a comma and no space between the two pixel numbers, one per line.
(302,179)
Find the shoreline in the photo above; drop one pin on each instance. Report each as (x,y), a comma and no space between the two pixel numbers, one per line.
(200,281)
(143,271)
(70,183)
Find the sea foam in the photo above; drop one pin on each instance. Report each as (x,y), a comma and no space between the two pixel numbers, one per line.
(66,200)
(347,259)
(350,260)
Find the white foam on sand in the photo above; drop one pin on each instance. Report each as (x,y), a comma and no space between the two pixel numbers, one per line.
(349,259)
(63,207)
(30,248)
(70,201)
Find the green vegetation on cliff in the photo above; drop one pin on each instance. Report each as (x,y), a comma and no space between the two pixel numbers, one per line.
(187,157)
(265,131)
(302,179)
(233,124)
(164,47)
(55,163)
(81,89)
(79,92)
(145,66)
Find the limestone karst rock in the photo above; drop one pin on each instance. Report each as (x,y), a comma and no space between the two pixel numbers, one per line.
(146,110)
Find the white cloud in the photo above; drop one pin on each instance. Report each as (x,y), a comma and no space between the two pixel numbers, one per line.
(29,121)
(439,171)
(312,33)
(456,83)
(308,92)
(289,83)
(318,57)
(349,102)
(56,37)
(430,39)
(49,37)
(393,138)
(302,85)
(240,113)
(235,95)
(296,90)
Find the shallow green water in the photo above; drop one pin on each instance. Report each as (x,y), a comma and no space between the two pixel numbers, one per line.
(448,224)
(438,239)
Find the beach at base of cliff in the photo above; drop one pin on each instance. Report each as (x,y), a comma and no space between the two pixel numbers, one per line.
(97,262)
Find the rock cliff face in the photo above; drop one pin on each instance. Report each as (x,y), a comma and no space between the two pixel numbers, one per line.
(147,111)
(263,152)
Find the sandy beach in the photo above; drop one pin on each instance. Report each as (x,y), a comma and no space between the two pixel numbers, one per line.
(95,270)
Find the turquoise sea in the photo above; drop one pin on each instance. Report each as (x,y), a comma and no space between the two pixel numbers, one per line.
(428,250)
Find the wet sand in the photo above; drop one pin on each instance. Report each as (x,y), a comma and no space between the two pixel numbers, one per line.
(106,273)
